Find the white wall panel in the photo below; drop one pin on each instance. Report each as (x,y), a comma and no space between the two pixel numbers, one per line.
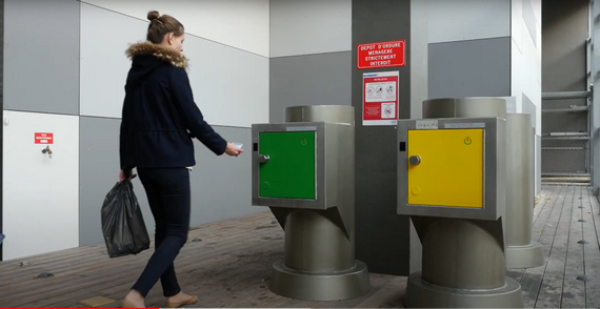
(230,86)
(516,80)
(105,36)
(242,24)
(537,10)
(310,27)
(459,20)
(526,57)
(40,194)
(517,23)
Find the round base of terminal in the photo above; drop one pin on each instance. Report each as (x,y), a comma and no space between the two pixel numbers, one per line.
(420,294)
(320,286)
(525,257)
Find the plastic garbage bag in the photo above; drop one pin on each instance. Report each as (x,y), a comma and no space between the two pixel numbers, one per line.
(122,222)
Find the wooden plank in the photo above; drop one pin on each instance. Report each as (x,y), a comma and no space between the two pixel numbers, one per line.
(545,223)
(107,268)
(237,275)
(105,278)
(59,257)
(73,265)
(244,271)
(91,257)
(126,283)
(551,288)
(573,293)
(183,273)
(542,199)
(591,252)
(106,275)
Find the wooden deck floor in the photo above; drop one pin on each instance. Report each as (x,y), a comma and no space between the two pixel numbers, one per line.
(227,265)
(564,217)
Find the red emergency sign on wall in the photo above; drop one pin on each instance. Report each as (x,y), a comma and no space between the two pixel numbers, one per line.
(44,138)
(381,55)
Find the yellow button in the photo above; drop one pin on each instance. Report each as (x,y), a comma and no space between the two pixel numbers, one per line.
(416,191)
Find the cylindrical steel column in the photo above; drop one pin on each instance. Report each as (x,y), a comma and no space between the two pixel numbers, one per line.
(464,108)
(460,254)
(313,243)
(326,113)
(463,260)
(521,252)
(319,261)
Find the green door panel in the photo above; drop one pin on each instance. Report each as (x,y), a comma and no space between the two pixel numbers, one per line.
(290,171)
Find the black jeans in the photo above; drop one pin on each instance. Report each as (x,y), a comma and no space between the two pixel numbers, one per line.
(168,191)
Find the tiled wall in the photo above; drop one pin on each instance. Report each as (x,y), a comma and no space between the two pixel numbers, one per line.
(82,79)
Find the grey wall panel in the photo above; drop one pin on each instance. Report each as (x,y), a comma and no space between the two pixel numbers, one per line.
(538,164)
(323,79)
(220,185)
(98,173)
(1,108)
(565,29)
(41,43)
(462,20)
(310,27)
(383,238)
(470,68)
(419,56)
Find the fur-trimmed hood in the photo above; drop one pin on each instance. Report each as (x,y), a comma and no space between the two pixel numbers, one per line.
(177,59)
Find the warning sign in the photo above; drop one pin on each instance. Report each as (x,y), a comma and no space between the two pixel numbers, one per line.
(380,98)
(381,55)
(44,138)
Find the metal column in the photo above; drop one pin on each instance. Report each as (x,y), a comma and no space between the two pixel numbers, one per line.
(463,249)
(319,262)
(521,251)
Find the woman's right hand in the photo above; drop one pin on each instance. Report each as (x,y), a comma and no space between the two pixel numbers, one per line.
(126,174)
(233,150)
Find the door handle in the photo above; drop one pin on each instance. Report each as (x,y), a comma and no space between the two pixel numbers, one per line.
(414,160)
(48,151)
(263,159)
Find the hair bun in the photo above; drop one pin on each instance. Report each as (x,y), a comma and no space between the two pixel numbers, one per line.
(152,15)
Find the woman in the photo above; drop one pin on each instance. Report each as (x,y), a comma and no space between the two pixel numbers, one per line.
(159,121)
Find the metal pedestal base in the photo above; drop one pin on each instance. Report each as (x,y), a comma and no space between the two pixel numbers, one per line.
(319,286)
(525,257)
(420,294)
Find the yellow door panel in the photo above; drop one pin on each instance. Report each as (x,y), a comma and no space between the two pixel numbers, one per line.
(445,167)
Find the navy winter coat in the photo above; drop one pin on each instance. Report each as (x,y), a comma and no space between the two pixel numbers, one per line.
(160,117)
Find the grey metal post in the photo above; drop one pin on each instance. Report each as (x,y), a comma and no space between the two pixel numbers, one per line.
(521,251)
(595,102)
(463,259)
(319,262)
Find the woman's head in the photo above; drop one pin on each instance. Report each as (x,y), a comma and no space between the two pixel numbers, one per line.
(165,30)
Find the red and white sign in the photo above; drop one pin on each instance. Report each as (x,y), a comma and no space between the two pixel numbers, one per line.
(380,98)
(44,138)
(381,55)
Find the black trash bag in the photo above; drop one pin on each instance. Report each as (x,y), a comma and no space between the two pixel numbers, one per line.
(122,222)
